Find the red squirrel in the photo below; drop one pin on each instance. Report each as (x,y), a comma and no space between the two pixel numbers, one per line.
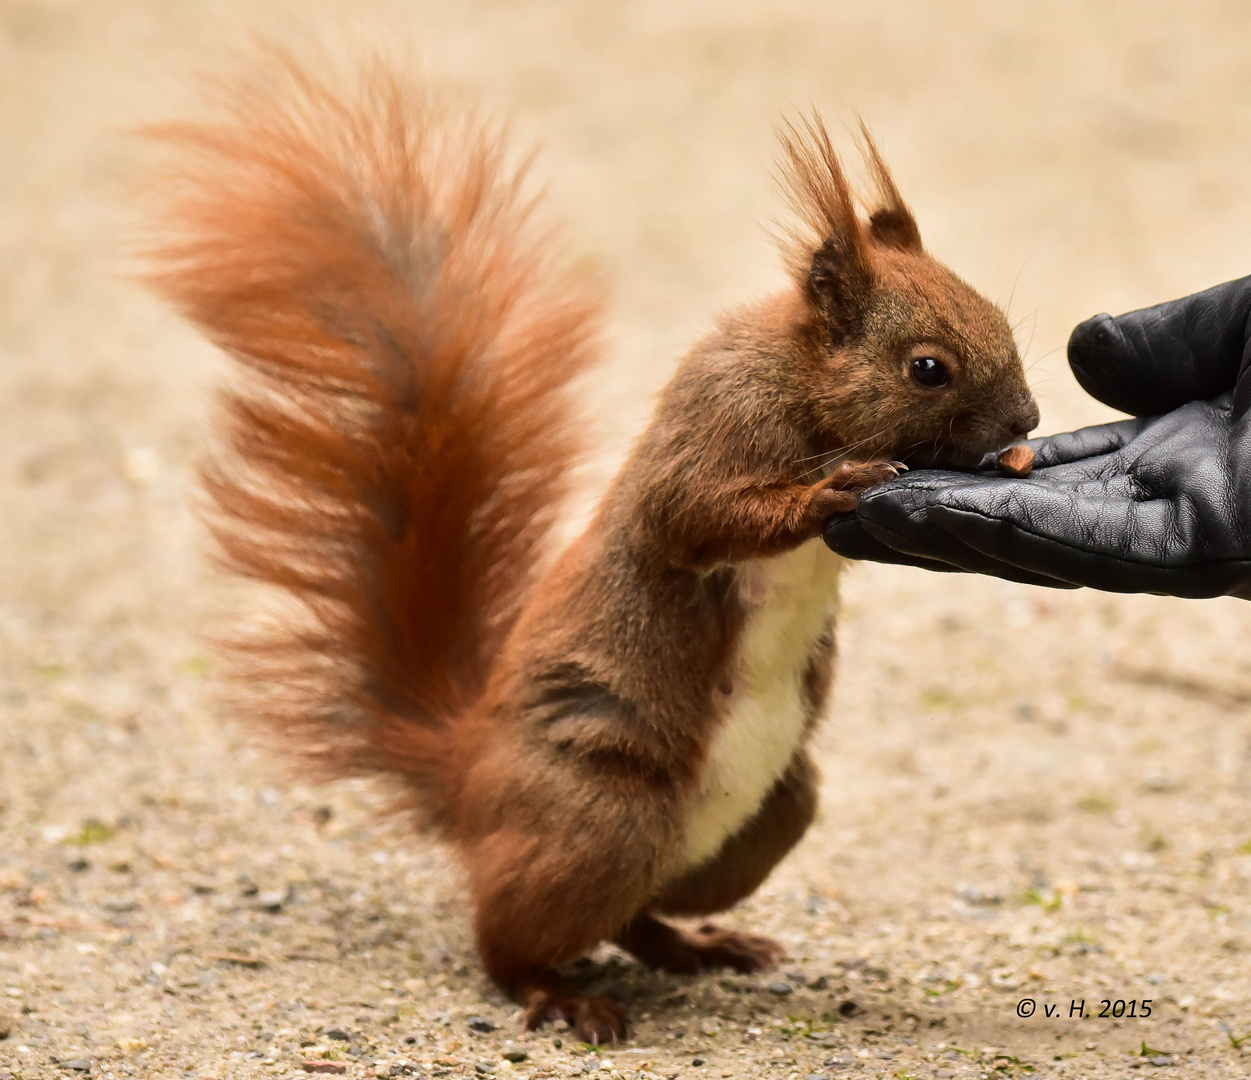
(620,735)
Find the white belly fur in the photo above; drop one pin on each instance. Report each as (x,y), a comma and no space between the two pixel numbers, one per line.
(788,601)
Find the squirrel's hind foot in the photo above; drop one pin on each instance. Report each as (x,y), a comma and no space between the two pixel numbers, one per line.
(735,949)
(594,1019)
(669,948)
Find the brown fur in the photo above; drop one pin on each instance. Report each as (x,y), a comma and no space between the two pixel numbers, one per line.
(397,439)
(397,444)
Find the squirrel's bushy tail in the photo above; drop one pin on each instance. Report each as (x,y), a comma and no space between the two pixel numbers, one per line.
(397,436)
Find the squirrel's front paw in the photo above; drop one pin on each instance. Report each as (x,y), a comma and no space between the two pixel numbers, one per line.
(838,492)
(856,476)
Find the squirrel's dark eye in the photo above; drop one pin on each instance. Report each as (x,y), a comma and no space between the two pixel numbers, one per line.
(928,372)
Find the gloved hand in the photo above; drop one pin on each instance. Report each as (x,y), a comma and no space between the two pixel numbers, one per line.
(1157,504)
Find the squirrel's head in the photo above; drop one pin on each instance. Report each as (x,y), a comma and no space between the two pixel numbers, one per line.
(907,361)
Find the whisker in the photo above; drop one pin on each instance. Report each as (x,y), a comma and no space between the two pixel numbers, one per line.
(1012,295)
(842,449)
(1028,315)
(813,457)
(1034,363)
(820,466)
(1032,331)
(835,455)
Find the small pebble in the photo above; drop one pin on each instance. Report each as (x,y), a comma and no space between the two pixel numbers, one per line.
(271,901)
(781,988)
(77,1065)
(848,1008)
(514,1053)
(484,1068)
(480,1023)
(697,1062)
(324,1066)
(336,1033)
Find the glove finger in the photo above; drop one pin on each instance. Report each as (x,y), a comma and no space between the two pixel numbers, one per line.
(897,516)
(1100,516)
(1156,359)
(1098,537)
(846,535)
(1072,446)
(1082,568)
(962,557)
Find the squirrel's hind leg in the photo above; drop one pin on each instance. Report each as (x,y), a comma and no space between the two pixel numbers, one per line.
(747,857)
(664,947)
(531,918)
(743,862)
(552,884)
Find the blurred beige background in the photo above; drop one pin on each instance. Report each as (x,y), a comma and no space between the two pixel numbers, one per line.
(1026,792)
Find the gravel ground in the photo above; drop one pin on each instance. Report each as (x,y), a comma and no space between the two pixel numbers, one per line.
(1029,796)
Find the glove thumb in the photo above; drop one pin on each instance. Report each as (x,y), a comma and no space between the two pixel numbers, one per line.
(1154,360)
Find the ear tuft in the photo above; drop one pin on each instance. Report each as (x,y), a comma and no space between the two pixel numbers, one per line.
(891,224)
(814,182)
(828,253)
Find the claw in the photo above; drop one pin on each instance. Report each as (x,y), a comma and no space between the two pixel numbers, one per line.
(596,1019)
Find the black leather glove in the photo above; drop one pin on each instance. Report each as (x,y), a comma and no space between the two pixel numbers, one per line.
(1157,504)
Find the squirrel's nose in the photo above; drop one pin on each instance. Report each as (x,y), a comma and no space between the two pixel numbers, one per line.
(1025,417)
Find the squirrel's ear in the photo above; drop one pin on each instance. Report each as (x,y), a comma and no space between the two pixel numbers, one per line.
(840,281)
(829,253)
(892,224)
(895,228)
